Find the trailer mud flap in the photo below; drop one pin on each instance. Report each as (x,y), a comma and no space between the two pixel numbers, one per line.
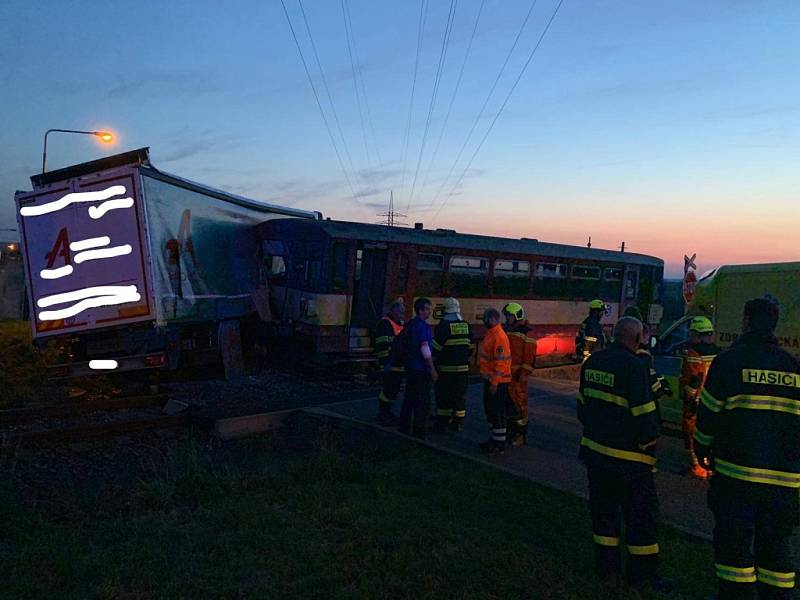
(230,345)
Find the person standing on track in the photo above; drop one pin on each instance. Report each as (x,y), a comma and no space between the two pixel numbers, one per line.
(590,336)
(416,341)
(620,430)
(452,350)
(523,358)
(748,432)
(387,329)
(697,356)
(494,361)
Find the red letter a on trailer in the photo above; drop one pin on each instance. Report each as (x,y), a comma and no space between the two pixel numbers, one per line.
(60,248)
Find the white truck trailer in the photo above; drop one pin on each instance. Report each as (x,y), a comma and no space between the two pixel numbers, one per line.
(130,268)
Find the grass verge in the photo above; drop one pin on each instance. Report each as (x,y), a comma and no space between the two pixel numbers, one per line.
(339,520)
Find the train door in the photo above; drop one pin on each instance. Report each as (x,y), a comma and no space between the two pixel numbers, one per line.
(630,287)
(369,285)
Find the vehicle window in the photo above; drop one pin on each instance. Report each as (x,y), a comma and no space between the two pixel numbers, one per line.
(469,264)
(359,259)
(468,275)
(273,264)
(339,265)
(612,274)
(430,262)
(550,271)
(511,277)
(585,272)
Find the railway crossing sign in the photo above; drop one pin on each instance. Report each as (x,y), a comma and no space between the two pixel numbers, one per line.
(689,278)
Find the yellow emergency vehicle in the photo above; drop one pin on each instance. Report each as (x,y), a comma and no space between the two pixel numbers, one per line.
(720,295)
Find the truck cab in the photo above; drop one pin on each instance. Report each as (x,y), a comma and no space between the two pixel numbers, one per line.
(720,295)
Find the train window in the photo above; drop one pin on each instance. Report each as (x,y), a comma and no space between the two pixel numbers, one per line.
(430,262)
(612,274)
(273,262)
(511,268)
(511,277)
(550,271)
(359,259)
(585,272)
(469,276)
(339,266)
(469,264)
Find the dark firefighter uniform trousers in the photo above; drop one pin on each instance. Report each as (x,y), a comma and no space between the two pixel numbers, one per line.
(499,409)
(628,495)
(752,538)
(416,403)
(391,381)
(451,396)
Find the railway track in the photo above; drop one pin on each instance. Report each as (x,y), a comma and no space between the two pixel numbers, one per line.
(95,418)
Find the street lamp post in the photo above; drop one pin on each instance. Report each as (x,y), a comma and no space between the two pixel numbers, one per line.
(104,136)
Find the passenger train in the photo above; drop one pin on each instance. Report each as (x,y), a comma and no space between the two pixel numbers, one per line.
(333,280)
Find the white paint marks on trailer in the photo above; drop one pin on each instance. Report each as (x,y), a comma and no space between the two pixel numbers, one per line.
(104,253)
(92,297)
(103,365)
(56,273)
(73,198)
(97,212)
(89,243)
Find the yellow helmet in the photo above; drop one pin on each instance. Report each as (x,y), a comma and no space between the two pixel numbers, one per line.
(514,309)
(599,304)
(701,325)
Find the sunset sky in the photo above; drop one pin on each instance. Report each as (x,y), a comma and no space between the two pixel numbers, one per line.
(674,126)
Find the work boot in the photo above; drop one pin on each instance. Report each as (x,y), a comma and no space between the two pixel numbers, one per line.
(457,425)
(518,439)
(441,425)
(492,447)
(655,582)
(386,418)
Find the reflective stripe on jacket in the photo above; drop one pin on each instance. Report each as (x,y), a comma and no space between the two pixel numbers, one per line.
(452,346)
(523,347)
(494,358)
(749,413)
(615,405)
(696,362)
(383,338)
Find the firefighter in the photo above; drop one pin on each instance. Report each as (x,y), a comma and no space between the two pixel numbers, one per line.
(494,361)
(452,350)
(590,336)
(415,345)
(387,329)
(697,356)
(620,430)
(748,432)
(523,358)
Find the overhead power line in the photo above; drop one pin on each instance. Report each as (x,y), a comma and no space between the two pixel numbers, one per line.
(327,90)
(452,98)
(485,104)
(434,94)
(355,81)
(502,106)
(360,72)
(319,104)
(421,28)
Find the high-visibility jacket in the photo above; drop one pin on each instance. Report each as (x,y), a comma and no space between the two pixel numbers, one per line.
(452,346)
(383,337)
(696,362)
(590,337)
(523,348)
(615,405)
(749,413)
(494,359)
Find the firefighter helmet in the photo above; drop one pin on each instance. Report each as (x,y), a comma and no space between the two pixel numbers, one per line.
(701,325)
(597,304)
(451,306)
(515,310)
